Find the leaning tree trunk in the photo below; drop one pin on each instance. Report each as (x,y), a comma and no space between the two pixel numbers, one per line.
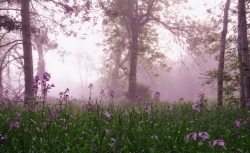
(134,28)
(27,50)
(41,63)
(222,55)
(243,47)
(115,73)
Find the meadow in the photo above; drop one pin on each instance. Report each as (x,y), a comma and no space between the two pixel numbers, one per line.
(95,126)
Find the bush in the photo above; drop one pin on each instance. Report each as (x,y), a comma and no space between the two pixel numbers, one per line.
(144,92)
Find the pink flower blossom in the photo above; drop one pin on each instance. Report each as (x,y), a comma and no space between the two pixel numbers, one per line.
(2,137)
(191,136)
(72,116)
(200,143)
(53,113)
(204,135)
(219,142)
(196,107)
(86,107)
(44,125)
(18,115)
(240,122)
(107,114)
(157,95)
(118,108)
(14,124)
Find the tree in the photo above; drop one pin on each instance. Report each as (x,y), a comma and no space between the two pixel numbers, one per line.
(116,63)
(243,48)
(50,15)
(27,50)
(135,15)
(222,54)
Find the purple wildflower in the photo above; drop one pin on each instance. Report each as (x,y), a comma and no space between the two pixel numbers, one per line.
(191,136)
(138,98)
(46,76)
(157,95)
(95,107)
(196,107)
(86,107)
(248,103)
(219,142)
(44,125)
(106,108)
(18,115)
(107,114)
(204,135)
(240,122)
(72,116)
(118,107)
(200,143)
(14,124)
(53,113)
(112,94)
(37,79)
(91,86)
(102,93)
(2,137)
(35,87)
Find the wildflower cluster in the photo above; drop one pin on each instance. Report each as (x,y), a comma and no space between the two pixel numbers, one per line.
(14,124)
(102,94)
(111,94)
(217,142)
(240,122)
(43,83)
(197,107)
(204,136)
(63,96)
(2,137)
(157,95)
(248,104)
(53,113)
(194,136)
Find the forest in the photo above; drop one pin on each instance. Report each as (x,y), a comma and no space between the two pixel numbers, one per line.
(124,76)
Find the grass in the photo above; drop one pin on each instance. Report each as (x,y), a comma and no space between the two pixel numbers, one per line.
(89,128)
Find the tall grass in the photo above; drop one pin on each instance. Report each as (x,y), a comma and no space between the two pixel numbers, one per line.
(92,127)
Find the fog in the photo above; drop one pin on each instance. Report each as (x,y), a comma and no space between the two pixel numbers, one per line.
(185,79)
(76,63)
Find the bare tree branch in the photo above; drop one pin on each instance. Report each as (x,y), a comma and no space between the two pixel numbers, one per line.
(10,43)
(3,35)
(9,9)
(21,57)
(5,54)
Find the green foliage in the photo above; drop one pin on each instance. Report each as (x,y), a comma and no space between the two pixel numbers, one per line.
(149,128)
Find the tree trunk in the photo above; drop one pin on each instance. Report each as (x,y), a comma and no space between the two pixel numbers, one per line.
(41,62)
(222,54)
(243,47)
(242,93)
(115,73)
(27,50)
(1,84)
(134,27)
